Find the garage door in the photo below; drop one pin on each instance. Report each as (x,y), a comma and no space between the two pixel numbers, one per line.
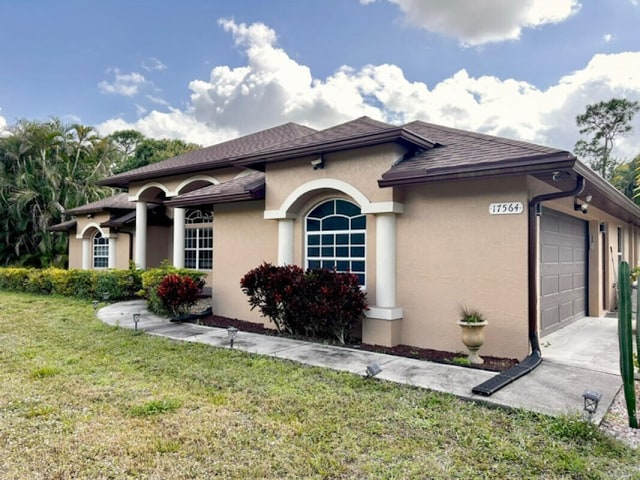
(563,270)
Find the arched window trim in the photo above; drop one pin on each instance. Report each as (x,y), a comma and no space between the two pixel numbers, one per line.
(197,217)
(344,249)
(100,251)
(198,239)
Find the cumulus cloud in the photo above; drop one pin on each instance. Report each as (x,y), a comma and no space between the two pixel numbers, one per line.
(272,88)
(607,37)
(173,124)
(127,84)
(4,132)
(477,23)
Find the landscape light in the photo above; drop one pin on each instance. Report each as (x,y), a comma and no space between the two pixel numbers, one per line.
(591,400)
(373,369)
(231,334)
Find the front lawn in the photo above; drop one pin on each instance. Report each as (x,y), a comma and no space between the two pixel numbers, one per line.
(83,400)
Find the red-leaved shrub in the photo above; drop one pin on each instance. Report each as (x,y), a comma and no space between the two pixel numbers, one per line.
(178,293)
(316,303)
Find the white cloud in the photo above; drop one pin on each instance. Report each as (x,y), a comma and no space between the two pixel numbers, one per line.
(479,22)
(272,88)
(157,100)
(172,124)
(140,110)
(4,132)
(127,84)
(607,37)
(153,64)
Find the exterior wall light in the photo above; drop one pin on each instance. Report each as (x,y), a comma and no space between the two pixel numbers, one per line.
(318,163)
(581,207)
(373,369)
(136,319)
(231,335)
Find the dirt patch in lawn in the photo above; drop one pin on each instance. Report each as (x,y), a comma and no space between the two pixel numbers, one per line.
(493,364)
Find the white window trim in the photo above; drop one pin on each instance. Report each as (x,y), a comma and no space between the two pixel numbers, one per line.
(98,246)
(197,221)
(349,232)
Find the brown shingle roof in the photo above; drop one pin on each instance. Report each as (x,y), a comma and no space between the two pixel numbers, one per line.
(119,201)
(247,187)
(459,152)
(63,226)
(216,156)
(360,132)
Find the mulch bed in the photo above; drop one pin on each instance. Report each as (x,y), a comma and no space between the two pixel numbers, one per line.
(494,364)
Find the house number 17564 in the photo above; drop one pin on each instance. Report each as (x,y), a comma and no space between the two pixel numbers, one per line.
(506,208)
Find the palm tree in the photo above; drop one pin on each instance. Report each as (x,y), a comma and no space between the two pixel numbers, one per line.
(45,167)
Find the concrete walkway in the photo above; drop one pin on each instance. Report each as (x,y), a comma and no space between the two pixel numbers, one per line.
(575,360)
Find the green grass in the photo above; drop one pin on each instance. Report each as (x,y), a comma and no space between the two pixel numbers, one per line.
(83,400)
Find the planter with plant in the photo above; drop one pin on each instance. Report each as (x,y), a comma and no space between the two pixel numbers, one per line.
(472,323)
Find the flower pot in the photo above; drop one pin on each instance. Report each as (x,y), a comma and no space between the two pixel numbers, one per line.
(473,338)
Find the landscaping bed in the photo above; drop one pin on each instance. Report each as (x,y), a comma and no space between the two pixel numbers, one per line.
(494,364)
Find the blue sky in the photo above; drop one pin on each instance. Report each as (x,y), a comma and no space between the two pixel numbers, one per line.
(206,71)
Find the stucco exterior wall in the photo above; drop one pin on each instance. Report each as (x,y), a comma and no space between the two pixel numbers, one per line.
(75,251)
(159,245)
(452,252)
(124,251)
(172,185)
(121,241)
(360,168)
(242,240)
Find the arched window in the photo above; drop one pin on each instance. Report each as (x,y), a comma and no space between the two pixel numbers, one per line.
(198,240)
(100,251)
(336,234)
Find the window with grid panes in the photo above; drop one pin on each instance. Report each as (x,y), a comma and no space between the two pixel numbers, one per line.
(100,251)
(336,238)
(198,240)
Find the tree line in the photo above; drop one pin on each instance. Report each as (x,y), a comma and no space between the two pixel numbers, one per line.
(47,167)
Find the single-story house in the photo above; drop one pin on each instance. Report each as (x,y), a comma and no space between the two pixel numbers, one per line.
(429,217)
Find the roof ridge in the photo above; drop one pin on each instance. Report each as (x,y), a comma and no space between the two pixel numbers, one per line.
(487,137)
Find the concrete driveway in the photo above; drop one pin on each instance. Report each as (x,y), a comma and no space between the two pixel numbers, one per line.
(590,343)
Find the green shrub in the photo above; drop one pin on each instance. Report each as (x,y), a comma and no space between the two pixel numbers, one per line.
(89,284)
(14,278)
(317,303)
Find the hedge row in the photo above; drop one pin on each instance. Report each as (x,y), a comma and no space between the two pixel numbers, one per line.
(89,284)
(111,285)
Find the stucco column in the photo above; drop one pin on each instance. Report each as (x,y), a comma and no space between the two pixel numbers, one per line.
(113,243)
(86,253)
(386,260)
(141,234)
(285,241)
(178,237)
